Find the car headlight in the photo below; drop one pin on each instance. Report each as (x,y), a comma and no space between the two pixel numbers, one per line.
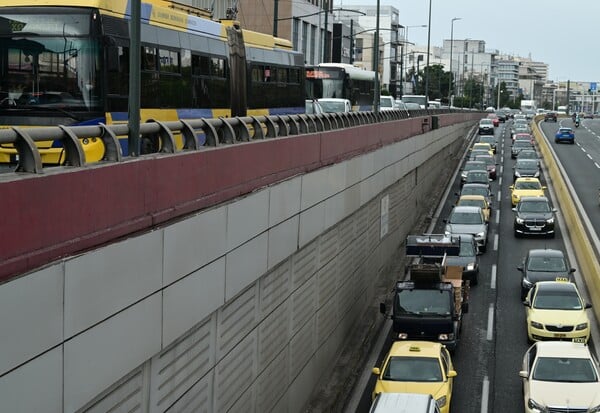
(446,336)
(537,325)
(441,402)
(581,326)
(519,220)
(550,221)
(532,404)
(471,266)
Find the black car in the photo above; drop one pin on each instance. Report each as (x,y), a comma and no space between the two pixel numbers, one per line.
(526,168)
(534,215)
(471,166)
(528,154)
(467,258)
(550,117)
(478,177)
(543,265)
(518,146)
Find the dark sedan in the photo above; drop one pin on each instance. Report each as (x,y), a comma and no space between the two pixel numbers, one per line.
(467,258)
(470,166)
(519,146)
(526,168)
(534,215)
(543,265)
(490,164)
(477,189)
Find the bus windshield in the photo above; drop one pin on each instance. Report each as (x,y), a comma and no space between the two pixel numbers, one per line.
(324,83)
(48,61)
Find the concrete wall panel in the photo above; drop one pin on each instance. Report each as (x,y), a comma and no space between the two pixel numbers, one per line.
(110,279)
(275,287)
(35,387)
(273,383)
(236,319)
(274,334)
(245,265)
(305,264)
(124,397)
(283,241)
(284,200)
(193,243)
(31,316)
(198,399)
(247,218)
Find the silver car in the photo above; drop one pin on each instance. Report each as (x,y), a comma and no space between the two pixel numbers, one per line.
(468,220)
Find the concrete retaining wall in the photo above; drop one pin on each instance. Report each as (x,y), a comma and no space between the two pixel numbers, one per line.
(236,308)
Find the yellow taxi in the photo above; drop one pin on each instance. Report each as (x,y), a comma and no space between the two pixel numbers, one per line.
(483,146)
(556,311)
(560,376)
(525,187)
(417,367)
(478,201)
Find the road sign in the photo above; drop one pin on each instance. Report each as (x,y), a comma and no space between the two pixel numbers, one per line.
(593,86)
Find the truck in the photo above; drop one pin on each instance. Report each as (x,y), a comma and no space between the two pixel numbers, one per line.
(430,302)
(529,108)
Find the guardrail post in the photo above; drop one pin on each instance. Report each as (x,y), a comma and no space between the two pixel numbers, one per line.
(166,137)
(257,129)
(242,131)
(284,129)
(212,137)
(29,156)
(74,155)
(271,129)
(112,147)
(226,132)
(189,136)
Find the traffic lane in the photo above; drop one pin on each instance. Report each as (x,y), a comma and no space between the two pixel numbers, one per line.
(510,321)
(580,162)
(474,354)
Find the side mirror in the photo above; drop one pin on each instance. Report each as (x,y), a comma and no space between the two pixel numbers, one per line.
(523,374)
(376,371)
(511,187)
(543,187)
(572,270)
(588,305)
(554,210)
(526,303)
(382,308)
(514,209)
(452,373)
(520,268)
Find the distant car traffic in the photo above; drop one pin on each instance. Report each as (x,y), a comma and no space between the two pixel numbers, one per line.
(550,117)
(564,135)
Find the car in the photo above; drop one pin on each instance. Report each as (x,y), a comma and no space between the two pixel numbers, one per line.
(468,220)
(483,146)
(335,105)
(518,146)
(417,367)
(534,215)
(477,189)
(480,176)
(564,135)
(550,117)
(494,118)
(525,187)
(386,103)
(523,137)
(560,376)
(519,128)
(490,164)
(476,200)
(556,311)
(467,259)
(474,153)
(313,107)
(529,168)
(486,127)
(412,106)
(543,265)
(588,115)
(471,166)
(502,115)
(489,139)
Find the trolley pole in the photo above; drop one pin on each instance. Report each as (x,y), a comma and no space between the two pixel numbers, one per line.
(133,139)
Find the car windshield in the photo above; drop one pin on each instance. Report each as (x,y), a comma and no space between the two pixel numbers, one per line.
(526,164)
(487,139)
(564,369)
(467,218)
(486,122)
(473,202)
(550,264)
(527,155)
(423,369)
(474,166)
(476,176)
(564,130)
(423,301)
(522,144)
(528,185)
(467,249)
(557,300)
(474,190)
(485,158)
(533,206)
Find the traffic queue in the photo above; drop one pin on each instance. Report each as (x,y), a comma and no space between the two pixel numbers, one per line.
(558,372)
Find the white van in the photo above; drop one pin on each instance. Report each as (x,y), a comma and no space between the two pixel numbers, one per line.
(404,403)
(335,105)
(387,103)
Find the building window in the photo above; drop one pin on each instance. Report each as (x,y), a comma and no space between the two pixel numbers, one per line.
(304,38)
(295,33)
(313,44)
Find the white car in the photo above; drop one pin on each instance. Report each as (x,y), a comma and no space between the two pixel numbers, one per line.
(387,103)
(335,105)
(560,376)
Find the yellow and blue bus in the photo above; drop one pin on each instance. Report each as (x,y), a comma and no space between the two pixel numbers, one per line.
(343,81)
(66,62)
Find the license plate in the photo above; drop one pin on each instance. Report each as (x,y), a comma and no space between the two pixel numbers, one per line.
(560,335)
(535,228)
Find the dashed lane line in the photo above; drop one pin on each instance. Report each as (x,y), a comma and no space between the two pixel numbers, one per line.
(490,323)
(485,394)
(493,278)
(496,238)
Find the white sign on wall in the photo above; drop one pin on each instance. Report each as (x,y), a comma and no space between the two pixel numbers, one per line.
(384,217)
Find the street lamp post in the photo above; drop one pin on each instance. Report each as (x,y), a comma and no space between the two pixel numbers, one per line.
(403,66)
(427,65)
(377,91)
(451,85)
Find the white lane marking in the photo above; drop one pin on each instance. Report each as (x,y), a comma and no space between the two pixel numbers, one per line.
(499,197)
(582,148)
(496,242)
(497,216)
(500,181)
(485,394)
(501,169)
(502,159)
(490,324)
(597,166)
(493,280)
(590,156)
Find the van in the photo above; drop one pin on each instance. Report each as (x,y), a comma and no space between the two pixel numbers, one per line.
(335,105)
(404,403)
(386,103)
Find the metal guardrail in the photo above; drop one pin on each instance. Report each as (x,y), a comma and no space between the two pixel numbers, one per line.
(216,132)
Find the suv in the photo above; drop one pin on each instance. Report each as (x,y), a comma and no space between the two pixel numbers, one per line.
(550,117)
(534,215)
(486,127)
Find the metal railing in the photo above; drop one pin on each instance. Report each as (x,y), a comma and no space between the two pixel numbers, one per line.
(196,133)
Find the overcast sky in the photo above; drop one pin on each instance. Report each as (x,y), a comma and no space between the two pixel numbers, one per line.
(565,35)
